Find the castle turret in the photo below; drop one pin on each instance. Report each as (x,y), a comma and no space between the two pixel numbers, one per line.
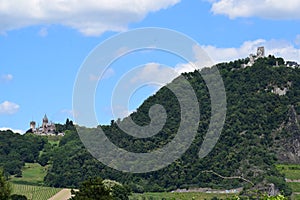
(32,125)
(260,52)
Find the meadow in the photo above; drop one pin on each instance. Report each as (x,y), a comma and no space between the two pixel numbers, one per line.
(31,183)
(32,174)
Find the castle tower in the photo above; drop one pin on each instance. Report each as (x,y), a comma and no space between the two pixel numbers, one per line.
(261,52)
(32,125)
(45,123)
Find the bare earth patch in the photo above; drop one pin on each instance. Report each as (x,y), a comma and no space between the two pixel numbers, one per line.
(64,194)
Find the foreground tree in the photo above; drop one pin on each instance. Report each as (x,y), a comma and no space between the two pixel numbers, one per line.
(97,189)
(92,189)
(120,192)
(117,190)
(5,188)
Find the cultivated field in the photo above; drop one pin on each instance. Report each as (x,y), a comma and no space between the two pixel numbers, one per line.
(290,171)
(296,197)
(295,187)
(34,192)
(179,196)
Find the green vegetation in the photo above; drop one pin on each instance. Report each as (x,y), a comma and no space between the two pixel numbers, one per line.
(296,197)
(16,150)
(291,171)
(295,186)
(5,188)
(34,192)
(32,174)
(248,146)
(96,188)
(181,196)
(258,133)
(54,140)
(18,197)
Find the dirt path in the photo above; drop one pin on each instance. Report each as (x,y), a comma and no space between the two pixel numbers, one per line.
(292,181)
(64,194)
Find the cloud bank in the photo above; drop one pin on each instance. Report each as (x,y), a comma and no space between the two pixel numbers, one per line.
(90,17)
(279,48)
(269,9)
(13,130)
(8,108)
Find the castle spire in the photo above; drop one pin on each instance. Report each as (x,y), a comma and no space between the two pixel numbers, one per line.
(45,119)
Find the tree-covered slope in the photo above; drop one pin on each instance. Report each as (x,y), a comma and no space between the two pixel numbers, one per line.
(255,132)
(16,149)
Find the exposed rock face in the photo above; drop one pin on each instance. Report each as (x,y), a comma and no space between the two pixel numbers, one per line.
(288,147)
(279,91)
(273,191)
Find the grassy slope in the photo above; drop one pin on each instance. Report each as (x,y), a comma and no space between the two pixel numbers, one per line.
(32,174)
(54,140)
(32,180)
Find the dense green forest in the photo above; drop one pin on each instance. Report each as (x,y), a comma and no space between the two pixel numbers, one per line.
(258,125)
(17,149)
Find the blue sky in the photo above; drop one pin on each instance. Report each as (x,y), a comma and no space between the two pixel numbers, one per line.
(44,43)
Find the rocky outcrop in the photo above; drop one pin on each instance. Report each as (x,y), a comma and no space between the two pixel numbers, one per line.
(288,146)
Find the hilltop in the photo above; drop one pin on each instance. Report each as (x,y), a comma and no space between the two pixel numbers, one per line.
(261,129)
(260,120)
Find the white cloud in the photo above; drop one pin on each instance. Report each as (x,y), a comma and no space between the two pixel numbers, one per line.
(201,60)
(270,9)
(107,74)
(9,108)
(6,77)
(185,67)
(278,48)
(91,17)
(13,130)
(154,73)
(229,54)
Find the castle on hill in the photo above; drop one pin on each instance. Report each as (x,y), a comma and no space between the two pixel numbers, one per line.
(47,129)
(259,54)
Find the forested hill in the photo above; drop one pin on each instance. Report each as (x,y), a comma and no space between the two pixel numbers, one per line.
(260,120)
(261,129)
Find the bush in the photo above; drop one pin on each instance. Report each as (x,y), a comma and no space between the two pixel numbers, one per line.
(18,197)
